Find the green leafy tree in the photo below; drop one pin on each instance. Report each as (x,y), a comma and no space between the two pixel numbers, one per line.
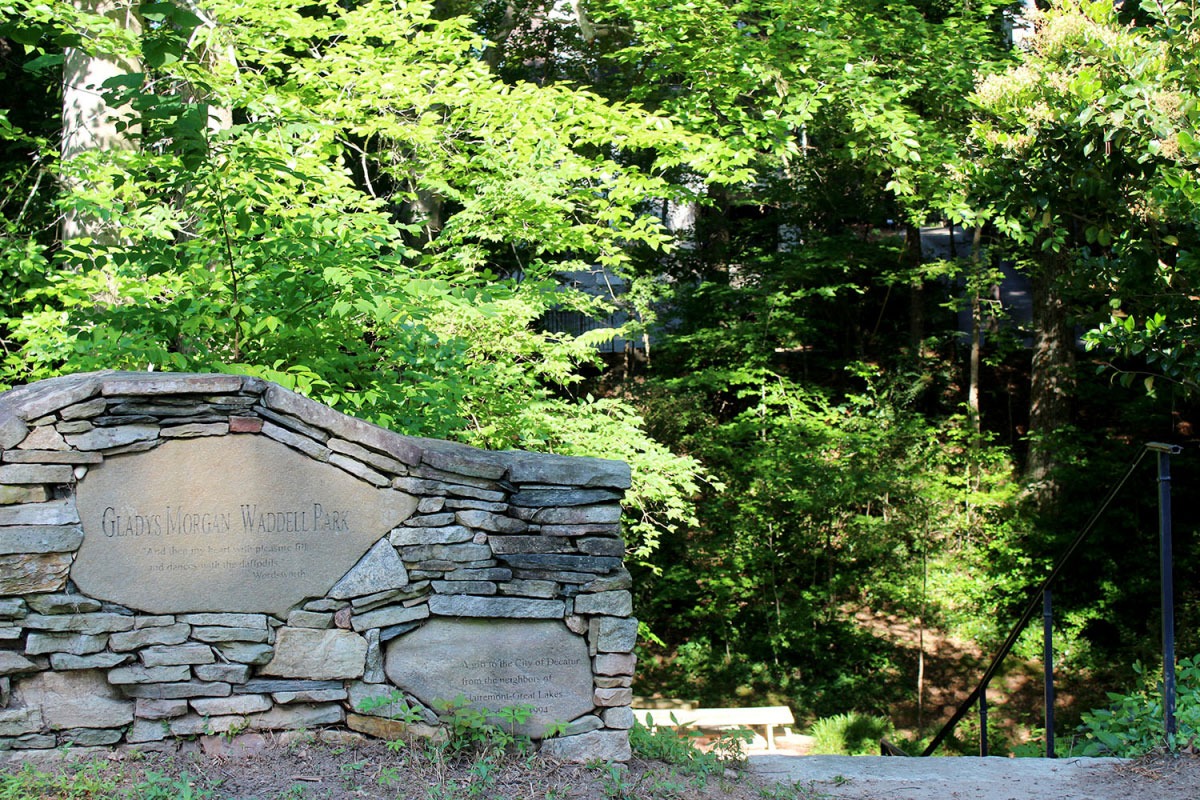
(281,245)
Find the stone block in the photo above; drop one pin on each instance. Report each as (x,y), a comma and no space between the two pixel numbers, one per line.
(12,430)
(145,730)
(195,430)
(140,384)
(456,605)
(539,468)
(62,603)
(136,674)
(66,661)
(167,635)
(447,552)
(505,545)
(619,718)
(10,495)
(14,663)
(90,737)
(391,729)
(196,725)
(40,539)
(13,608)
(296,441)
(116,436)
(216,634)
(369,457)
(176,655)
(613,635)
(373,672)
(226,620)
(36,473)
(588,722)
(613,697)
(314,696)
(557,497)
(51,457)
(144,708)
(529,588)
(452,534)
(81,699)
(493,523)
(614,604)
(298,715)
(86,410)
(53,512)
(95,623)
(379,570)
(388,616)
(358,470)
(614,663)
(310,619)
(584,564)
(246,652)
(18,721)
(496,663)
(430,521)
(597,546)
(245,425)
(77,644)
(45,437)
(226,673)
(175,691)
(277,528)
(317,654)
(620,579)
(234,704)
(587,747)
(464,587)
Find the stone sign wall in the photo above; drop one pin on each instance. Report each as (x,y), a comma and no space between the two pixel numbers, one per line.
(197,554)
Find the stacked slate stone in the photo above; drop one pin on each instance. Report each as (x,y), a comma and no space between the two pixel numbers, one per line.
(495,535)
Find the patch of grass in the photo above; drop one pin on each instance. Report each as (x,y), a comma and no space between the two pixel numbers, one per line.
(850,734)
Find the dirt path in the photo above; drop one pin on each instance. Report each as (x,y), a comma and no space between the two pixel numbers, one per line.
(876,778)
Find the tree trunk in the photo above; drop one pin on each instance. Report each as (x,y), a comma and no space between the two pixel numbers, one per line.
(88,122)
(1051,378)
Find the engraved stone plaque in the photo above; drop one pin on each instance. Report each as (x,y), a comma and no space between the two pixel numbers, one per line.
(232,523)
(496,664)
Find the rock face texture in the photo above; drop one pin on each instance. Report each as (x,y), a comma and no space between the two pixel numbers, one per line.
(184,554)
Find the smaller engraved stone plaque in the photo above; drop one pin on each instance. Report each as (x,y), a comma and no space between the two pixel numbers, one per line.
(233,523)
(496,664)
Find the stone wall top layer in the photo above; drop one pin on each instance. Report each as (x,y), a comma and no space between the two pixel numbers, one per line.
(190,555)
(25,404)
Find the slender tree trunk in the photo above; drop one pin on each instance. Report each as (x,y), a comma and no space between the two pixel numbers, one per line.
(1052,376)
(916,297)
(88,122)
(976,334)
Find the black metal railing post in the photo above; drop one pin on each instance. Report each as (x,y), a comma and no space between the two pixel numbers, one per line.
(1166,567)
(1048,664)
(983,743)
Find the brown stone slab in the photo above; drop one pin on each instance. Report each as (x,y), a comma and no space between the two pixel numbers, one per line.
(224,524)
(496,664)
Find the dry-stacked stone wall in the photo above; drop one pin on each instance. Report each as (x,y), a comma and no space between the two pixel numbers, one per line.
(203,554)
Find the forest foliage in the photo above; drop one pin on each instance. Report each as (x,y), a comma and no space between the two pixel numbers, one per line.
(377,203)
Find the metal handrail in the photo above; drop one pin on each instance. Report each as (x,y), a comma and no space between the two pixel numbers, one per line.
(1039,598)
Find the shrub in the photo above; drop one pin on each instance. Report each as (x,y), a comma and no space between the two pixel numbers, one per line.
(850,734)
(1132,724)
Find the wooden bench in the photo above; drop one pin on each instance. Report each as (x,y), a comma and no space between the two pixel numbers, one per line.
(719,718)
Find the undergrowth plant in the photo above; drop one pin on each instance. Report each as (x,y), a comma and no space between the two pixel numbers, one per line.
(1132,724)
(850,734)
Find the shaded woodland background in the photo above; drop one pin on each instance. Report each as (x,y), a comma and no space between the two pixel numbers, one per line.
(393,207)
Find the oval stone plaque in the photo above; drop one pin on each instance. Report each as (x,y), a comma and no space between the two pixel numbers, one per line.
(495,664)
(231,523)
